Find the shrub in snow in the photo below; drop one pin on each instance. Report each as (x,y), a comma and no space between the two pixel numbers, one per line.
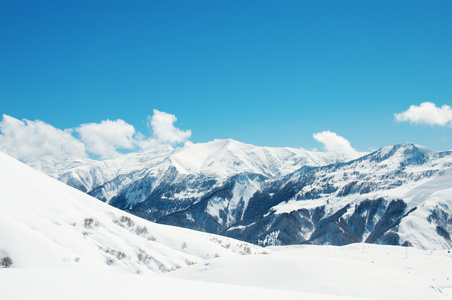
(163,269)
(118,223)
(144,257)
(88,222)
(141,230)
(246,250)
(176,267)
(6,262)
(189,262)
(128,221)
(120,255)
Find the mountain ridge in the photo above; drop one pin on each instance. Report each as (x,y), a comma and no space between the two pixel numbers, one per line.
(278,196)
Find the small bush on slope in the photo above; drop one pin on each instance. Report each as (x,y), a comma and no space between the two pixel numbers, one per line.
(6,262)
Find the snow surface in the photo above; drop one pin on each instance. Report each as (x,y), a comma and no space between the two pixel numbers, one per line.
(19,284)
(58,253)
(358,270)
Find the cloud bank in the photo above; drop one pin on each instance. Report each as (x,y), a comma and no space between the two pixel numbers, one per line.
(106,137)
(31,140)
(426,113)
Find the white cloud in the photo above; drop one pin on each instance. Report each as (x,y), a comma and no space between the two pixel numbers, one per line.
(427,113)
(144,142)
(162,125)
(335,143)
(30,140)
(106,137)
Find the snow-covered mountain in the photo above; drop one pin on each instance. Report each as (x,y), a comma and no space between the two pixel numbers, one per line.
(278,196)
(64,244)
(217,159)
(398,195)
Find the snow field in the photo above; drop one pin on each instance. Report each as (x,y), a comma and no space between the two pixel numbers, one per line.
(357,270)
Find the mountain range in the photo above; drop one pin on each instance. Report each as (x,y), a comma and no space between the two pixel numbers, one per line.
(396,195)
(59,243)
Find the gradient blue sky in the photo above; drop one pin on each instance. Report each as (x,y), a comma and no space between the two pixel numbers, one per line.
(269,73)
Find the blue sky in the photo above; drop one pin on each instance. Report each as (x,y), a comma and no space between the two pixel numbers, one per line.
(269,73)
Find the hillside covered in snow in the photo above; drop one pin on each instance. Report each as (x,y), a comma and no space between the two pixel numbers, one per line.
(45,223)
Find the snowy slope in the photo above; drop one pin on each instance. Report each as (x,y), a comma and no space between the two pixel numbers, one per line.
(19,284)
(44,223)
(359,270)
(308,272)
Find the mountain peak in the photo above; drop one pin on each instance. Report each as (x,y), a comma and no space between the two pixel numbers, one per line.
(226,157)
(406,153)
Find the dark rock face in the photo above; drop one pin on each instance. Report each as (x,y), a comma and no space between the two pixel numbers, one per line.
(442,218)
(372,221)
